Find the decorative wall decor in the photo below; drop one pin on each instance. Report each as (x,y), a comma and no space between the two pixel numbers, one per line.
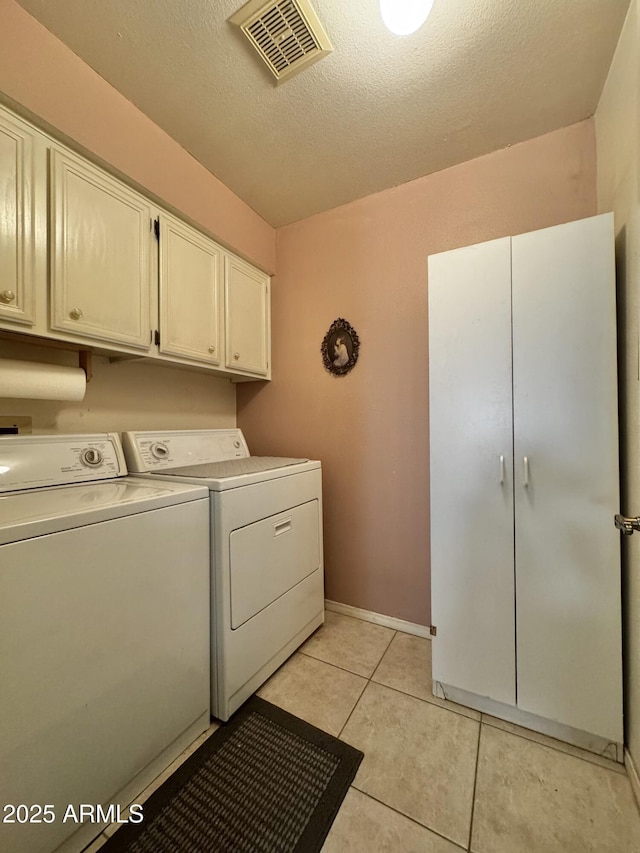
(340,348)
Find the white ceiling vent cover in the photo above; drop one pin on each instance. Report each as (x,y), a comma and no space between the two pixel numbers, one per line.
(288,34)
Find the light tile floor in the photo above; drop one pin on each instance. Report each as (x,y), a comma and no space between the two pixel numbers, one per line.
(438,777)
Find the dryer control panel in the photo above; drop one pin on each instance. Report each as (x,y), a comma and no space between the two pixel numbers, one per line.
(156,451)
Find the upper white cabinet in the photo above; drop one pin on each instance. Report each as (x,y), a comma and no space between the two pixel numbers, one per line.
(101,270)
(247,318)
(17,221)
(525,557)
(190,293)
(87,259)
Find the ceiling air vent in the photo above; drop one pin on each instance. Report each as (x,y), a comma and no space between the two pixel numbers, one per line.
(288,34)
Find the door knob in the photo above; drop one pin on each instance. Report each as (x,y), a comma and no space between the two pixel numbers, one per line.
(7,296)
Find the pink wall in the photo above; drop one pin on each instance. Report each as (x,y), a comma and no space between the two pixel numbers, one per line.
(42,75)
(367,262)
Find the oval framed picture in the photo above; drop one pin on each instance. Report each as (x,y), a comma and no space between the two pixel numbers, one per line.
(340,348)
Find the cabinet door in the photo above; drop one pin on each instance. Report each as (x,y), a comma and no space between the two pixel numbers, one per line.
(100,265)
(247,320)
(471,462)
(189,293)
(566,493)
(17,228)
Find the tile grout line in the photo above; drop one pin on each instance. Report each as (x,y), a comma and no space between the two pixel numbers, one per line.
(338,736)
(364,688)
(402,693)
(408,817)
(435,704)
(93,843)
(531,739)
(481,718)
(370,680)
(475,785)
(336,665)
(353,785)
(344,669)
(377,666)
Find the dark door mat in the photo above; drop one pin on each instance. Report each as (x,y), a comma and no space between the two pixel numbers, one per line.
(266,782)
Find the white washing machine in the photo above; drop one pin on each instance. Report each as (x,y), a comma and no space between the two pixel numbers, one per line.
(104,633)
(267,568)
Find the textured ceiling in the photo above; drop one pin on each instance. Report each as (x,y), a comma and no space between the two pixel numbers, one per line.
(378,111)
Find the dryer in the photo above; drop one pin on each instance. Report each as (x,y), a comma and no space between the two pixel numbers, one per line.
(267,573)
(104,633)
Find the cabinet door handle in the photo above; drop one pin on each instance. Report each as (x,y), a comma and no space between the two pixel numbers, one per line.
(75,313)
(626,525)
(212,349)
(526,472)
(236,355)
(7,296)
(502,470)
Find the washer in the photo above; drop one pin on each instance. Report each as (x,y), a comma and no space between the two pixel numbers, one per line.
(267,566)
(104,632)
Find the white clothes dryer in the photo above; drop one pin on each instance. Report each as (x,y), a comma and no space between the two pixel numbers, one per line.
(104,633)
(266,543)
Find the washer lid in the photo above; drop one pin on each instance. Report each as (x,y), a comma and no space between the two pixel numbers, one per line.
(38,512)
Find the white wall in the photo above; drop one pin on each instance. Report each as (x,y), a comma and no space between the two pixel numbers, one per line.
(618,151)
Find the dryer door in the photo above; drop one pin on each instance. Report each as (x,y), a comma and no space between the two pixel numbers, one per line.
(270,557)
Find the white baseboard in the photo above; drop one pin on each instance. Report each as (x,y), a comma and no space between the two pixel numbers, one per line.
(632,773)
(379,619)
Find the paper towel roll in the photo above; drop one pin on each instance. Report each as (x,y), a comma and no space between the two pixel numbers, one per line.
(33,380)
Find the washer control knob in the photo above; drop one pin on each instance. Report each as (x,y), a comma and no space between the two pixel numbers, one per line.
(92,457)
(159,450)
(236,443)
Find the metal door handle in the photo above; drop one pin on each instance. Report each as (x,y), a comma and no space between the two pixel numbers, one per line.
(502,470)
(526,472)
(626,525)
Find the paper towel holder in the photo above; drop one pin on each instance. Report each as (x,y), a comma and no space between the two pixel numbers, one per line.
(84,354)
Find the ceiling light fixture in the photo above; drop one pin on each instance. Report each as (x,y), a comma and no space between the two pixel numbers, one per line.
(404,17)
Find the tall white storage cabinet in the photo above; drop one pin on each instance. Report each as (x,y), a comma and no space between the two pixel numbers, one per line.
(525,558)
